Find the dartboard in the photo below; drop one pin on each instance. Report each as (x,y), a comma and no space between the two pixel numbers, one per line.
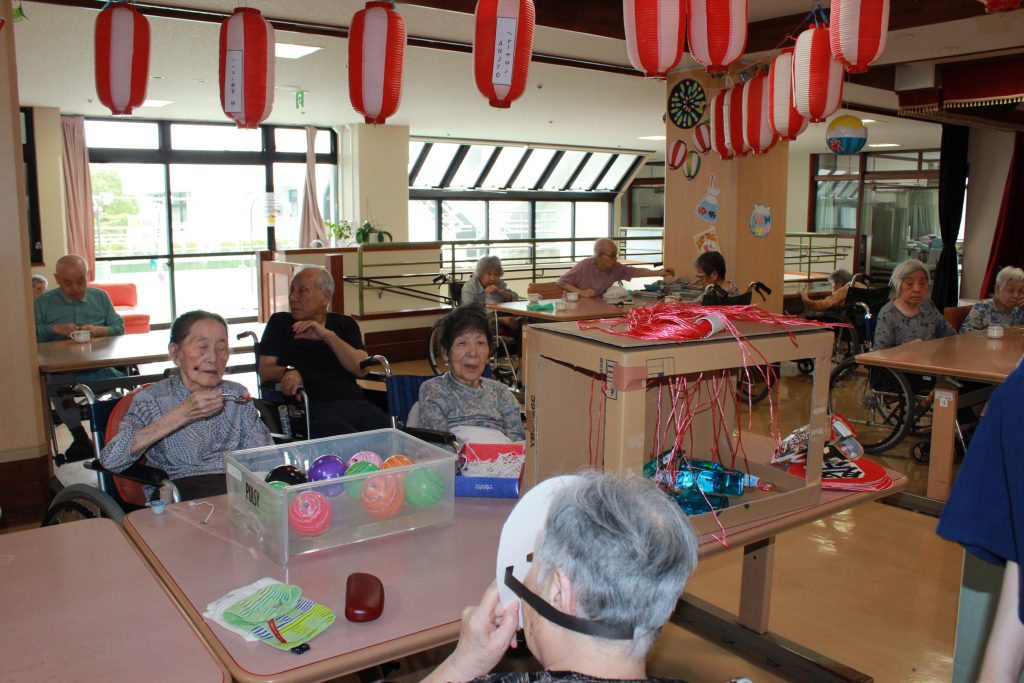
(687,103)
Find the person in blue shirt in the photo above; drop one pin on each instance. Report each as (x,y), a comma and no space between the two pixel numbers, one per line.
(75,306)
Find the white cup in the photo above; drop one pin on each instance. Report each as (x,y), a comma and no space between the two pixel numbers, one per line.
(158,506)
(560,305)
(995,331)
(81,336)
(533,297)
(572,296)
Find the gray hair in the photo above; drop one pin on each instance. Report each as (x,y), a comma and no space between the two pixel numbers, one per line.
(324,281)
(489,264)
(905,270)
(605,240)
(1007,275)
(40,280)
(627,548)
(71,261)
(840,277)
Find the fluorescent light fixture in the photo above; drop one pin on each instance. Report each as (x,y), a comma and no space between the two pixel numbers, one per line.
(651,137)
(157,103)
(884,144)
(292,51)
(868,121)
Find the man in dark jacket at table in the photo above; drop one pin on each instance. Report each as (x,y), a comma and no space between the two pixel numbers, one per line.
(320,352)
(74,307)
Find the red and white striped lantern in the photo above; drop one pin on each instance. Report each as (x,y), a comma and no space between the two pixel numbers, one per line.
(122,58)
(783,117)
(717,32)
(1000,5)
(757,133)
(817,77)
(376,50)
(655,34)
(676,156)
(734,121)
(857,32)
(702,138)
(246,67)
(502,49)
(719,122)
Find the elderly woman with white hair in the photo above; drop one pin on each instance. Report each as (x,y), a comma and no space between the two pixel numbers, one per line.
(1004,308)
(486,286)
(911,315)
(609,564)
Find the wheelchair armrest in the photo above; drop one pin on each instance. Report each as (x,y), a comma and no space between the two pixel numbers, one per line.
(376,360)
(143,474)
(431,435)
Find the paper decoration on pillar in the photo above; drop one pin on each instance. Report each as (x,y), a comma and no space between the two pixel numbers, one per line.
(687,103)
(783,117)
(761,220)
(655,34)
(122,58)
(707,208)
(702,138)
(676,156)
(246,67)
(719,123)
(376,51)
(1000,5)
(502,49)
(817,77)
(757,133)
(707,241)
(691,167)
(734,121)
(857,32)
(717,32)
(846,135)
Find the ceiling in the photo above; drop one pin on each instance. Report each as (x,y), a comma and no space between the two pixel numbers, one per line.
(564,105)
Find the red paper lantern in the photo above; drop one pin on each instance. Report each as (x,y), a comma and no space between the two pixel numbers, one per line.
(376,50)
(677,155)
(246,67)
(857,32)
(717,32)
(734,121)
(783,117)
(502,49)
(718,124)
(757,133)
(122,58)
(655,34)
(1000,5)
(817,77)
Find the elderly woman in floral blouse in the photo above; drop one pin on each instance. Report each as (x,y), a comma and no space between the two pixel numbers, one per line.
(911,315)
(1004,308)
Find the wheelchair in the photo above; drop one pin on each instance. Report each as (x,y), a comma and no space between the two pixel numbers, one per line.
(754,384)
(858,315)
(286,417)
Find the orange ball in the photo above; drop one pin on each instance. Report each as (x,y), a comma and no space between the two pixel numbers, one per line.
(382,496)
(397,461)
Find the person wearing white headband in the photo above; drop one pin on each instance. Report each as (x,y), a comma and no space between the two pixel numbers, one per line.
(604,574)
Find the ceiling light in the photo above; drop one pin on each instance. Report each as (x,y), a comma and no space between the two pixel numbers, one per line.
(651,137)
(868,121)
(291,51)
(157,103)
(884,144)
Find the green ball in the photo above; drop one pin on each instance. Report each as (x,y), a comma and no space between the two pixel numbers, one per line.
(362,467)
(423,488)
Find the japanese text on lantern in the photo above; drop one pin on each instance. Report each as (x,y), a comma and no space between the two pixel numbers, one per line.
(233,81)
(504,49)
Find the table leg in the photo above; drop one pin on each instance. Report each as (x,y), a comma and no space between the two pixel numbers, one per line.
(940,464)
(756,585)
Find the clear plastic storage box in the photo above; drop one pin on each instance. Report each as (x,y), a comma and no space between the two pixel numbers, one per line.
(317,515)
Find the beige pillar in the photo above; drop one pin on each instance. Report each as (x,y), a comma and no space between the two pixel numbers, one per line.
(374,169)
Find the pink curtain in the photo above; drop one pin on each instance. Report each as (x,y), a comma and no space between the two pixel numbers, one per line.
(311,225)
(78,192)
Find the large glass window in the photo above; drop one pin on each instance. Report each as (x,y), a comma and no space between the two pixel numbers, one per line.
(221,208)
(285,204)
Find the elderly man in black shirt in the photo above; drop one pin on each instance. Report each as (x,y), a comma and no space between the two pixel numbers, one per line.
(319,351)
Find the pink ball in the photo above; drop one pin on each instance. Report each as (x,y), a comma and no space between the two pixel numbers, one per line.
(366,456)
(310,513)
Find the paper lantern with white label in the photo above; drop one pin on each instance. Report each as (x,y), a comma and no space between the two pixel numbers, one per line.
(857,32)
(783,117)
(246,67)
(719,123)
(122,58)
(676,156)
(734,121)
(376,51)
(655,34)
(717,32)
(502,49)
(757,133)
(817,77)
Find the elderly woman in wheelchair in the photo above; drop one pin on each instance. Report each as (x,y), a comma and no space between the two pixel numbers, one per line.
(462,400)
(184,424)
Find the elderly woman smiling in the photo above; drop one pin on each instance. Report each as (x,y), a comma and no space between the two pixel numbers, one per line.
(185,423)
(1004,308)
(912,315)
(462,400)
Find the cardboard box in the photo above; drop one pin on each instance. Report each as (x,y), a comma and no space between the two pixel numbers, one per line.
(593,401)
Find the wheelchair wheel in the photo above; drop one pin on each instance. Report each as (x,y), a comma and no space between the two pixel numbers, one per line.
(80,501)
(805,366)
(435,354)
(753,385)
(846,344)
(878,402)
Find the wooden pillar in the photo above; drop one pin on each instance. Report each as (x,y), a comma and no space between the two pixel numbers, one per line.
(744,184)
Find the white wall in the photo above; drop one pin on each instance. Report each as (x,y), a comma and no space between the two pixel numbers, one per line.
(989,159)
(799,180)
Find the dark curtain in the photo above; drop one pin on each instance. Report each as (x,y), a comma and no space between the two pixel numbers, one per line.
(1008,243)
(952,183)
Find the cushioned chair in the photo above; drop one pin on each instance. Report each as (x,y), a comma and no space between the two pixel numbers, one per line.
(125,298)
(955,315)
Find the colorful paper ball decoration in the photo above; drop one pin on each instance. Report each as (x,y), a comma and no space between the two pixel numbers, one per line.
(717,32)
(817,77)
(354,468)
(857,32)
(327,467)
(718,125)
(382,495)
(676,157)
(655,34)
(423,488)
(757,133)
(366,456)
(376,51)
(310,513)
(246,67)
(122,58)
(702,138)
(289,475)
(846,135)
(502,49)
(783,117)
(692,166)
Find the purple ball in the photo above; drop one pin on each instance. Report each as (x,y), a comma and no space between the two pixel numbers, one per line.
(327,467)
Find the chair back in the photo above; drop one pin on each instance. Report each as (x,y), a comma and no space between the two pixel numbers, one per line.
(955,315)
(107,416)
(455,292)
(547,290)
(403,391)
